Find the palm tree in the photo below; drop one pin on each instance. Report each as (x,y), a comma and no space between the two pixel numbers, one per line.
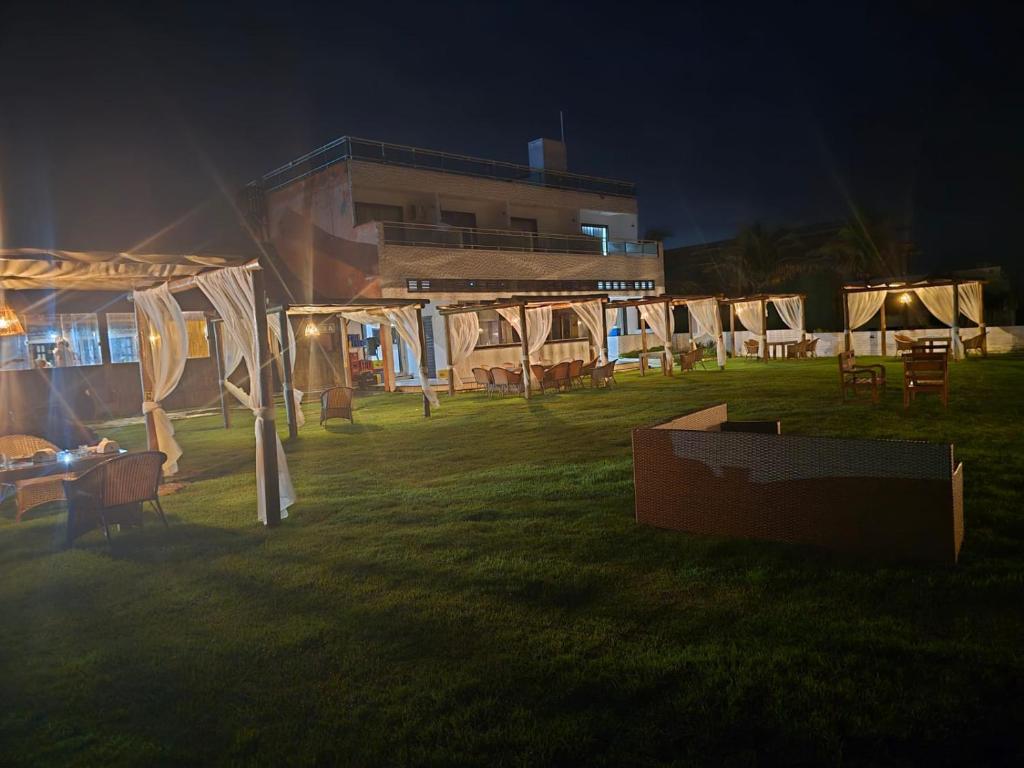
(865,248)
(760,258)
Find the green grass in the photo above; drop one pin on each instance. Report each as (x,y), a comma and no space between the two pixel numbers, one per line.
(473,590)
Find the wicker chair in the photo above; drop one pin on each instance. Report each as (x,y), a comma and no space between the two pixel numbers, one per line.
(797,349)
(515,381)
(690,358)
(752,347)
(499,377)
(36,491)
(975,344)
(853,377)
(483,380)
(336,403)
(603,375)
(811,350)
(562,376)
(113,493)
(904,343)
(576,373)
(925,371)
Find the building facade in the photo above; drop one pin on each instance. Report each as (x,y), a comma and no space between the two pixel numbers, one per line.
(368,219)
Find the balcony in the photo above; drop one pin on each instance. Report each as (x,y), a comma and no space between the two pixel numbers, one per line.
(347,148)
(443,236)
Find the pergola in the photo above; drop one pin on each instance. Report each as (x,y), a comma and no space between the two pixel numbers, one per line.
(518,311)
(944,297)
(656,314)
(363,310)
(753,315)
(36,269)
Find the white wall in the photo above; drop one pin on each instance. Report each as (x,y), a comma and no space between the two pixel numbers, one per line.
(1000,339)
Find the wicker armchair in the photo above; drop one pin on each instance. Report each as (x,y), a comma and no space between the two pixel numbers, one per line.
(544,376)
(904,343)
(752,347)
(336,403)
(797,349)
(36,491)
(603,375)
(576,373)
(483,380)
(811,349)
(514,382)
(113,493)
(561,374)
(499,377)
(975,344)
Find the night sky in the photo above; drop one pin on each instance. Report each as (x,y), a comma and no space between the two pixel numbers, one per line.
(115,124)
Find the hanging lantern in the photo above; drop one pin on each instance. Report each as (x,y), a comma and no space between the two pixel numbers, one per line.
(10,325)
(312,329)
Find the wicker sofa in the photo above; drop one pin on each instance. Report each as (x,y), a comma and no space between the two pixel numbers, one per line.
(890,499)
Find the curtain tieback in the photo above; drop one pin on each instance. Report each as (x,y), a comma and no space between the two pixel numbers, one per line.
(263,412)
(148,406)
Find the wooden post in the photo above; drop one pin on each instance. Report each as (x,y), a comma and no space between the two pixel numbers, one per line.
(847,340)
(423,359)
(604,334)
(881,320)
(217,352)
(346,364)
(289,385)
(448,349)
(385,354)
(954,330)
(525,342)
(667,357)
(981,323)
(764,325)
(803,318)
(732,330)
(146,375)
(643,344)
(271,486)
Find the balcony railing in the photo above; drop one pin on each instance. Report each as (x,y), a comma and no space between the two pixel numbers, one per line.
(443,236)
(348,148)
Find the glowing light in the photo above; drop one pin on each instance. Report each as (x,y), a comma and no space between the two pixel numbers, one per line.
(312,329)
(904,298)
(154,338)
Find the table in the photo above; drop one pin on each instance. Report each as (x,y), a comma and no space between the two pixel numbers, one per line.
(67,464)
(778,348)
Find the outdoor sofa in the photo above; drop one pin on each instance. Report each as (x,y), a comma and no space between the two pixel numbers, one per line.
(890,499)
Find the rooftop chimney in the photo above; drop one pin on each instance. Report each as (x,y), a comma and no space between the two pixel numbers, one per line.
(548,155)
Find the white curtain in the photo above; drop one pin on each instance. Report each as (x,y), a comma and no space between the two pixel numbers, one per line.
(654,316)
(590,313)
(168,346)
(970,302)
(274,324)
(791,310)
(708,321)
(749,314)
(231,293)
(863,306)
(538,324)
(939,301)
(464,333)
(406,320)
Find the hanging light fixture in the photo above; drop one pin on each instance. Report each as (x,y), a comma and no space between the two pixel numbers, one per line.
(312,329)
(904,299)
(10,325)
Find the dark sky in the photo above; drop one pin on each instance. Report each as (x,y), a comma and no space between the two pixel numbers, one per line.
(116,123)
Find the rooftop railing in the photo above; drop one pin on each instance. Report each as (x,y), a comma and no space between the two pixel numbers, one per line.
(348,148)
(443,236)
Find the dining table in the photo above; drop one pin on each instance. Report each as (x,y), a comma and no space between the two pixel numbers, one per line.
(67,463)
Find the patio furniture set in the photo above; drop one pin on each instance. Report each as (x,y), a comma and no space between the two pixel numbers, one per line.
(100,488)
(566,375)
(925,370)
(777,349)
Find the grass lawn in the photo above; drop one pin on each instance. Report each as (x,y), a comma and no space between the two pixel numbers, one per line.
(473,590)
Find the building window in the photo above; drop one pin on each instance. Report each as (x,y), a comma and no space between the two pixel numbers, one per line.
(565,325)
(123,337)
(367,212)
(487,285)
(60,341)
(459,219)
(599,231)
(494,330)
